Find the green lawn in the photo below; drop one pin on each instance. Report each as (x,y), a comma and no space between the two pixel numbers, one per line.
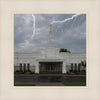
(75,84)
(17,72)
(76,73)
(81,73)
(24,84)
(65,84)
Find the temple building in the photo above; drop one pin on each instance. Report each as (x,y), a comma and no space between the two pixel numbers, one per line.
(49,60)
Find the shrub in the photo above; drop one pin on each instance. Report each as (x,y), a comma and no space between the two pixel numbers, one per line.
(22,72)
(75,72)
(68,72)
(17,70)
(72,73)
(32,72)
(81,73)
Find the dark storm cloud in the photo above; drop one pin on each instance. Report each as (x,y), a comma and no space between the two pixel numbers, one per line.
(70,34)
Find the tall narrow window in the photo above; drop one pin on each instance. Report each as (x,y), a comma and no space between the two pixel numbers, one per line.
(28,67)
(24,67)
(20,67)
(79,67)
(71,67)
(75,67)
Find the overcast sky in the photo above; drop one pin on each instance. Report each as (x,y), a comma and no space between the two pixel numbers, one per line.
(70,34)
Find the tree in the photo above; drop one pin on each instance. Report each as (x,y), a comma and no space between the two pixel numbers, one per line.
(64,50)
(83,63)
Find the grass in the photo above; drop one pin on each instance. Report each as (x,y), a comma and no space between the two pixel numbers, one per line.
(24,85)
(65,84)
(75,84)
(17,72)
(76,73)
(81,73)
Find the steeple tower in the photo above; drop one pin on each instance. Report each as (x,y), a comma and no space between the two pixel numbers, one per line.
(50,37)
(50,51)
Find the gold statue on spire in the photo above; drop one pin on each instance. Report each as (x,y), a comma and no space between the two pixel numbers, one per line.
(50,26)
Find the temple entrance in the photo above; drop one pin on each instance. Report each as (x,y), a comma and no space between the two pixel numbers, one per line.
(50,67)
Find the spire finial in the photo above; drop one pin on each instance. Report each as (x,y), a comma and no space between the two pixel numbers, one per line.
(50,26)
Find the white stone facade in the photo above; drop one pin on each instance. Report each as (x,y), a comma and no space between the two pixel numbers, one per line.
(33,59)
(50,55)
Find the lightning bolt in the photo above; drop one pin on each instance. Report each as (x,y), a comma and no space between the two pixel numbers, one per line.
(53,22)
(33,26)
(65,20)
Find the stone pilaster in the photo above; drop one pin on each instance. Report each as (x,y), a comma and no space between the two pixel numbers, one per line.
(37,68)
(64,68)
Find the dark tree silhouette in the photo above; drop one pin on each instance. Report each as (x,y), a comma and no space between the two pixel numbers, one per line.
(64,50)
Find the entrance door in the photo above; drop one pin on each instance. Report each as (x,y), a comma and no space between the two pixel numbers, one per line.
(50,67)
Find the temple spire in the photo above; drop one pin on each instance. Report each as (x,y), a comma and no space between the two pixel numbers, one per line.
(50,26)
(50,37)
